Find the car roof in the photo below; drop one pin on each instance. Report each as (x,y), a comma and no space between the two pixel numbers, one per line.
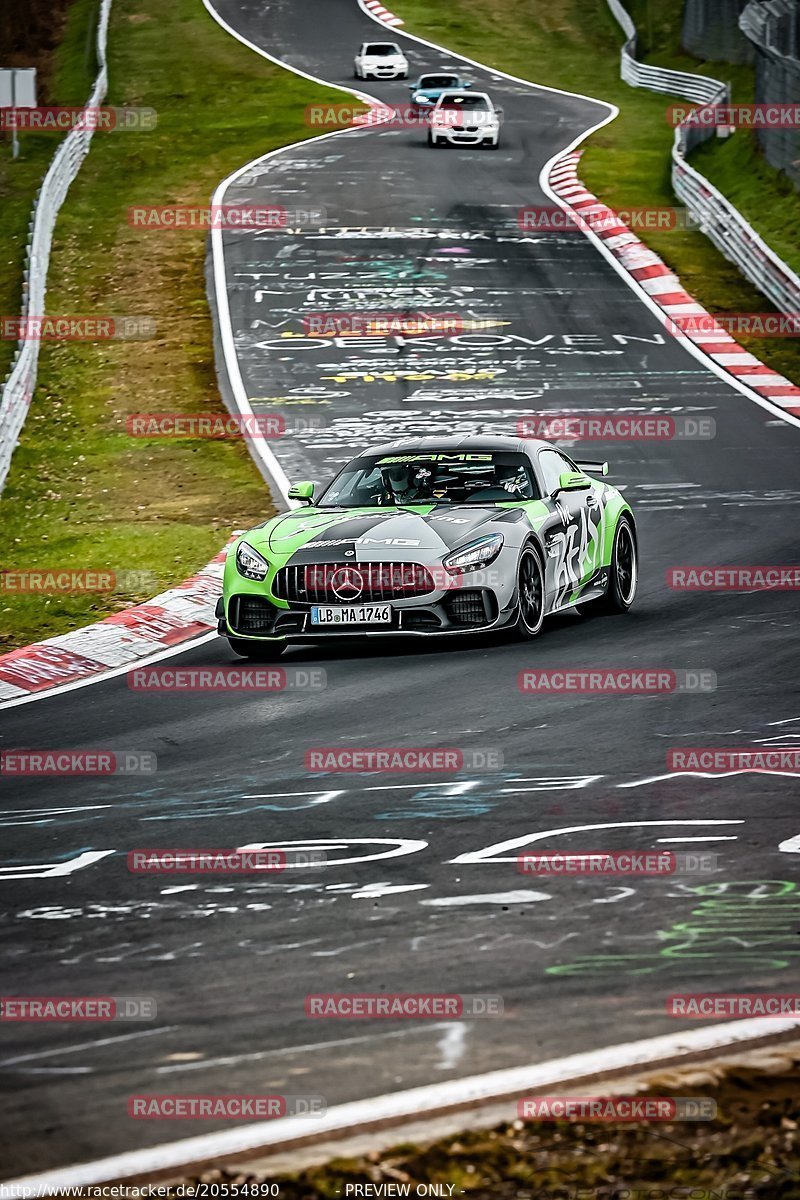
(476,442)
(393,44)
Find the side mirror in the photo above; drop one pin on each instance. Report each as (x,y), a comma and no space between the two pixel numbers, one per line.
(572,481)
(501,112)
(302,491)
(466,85)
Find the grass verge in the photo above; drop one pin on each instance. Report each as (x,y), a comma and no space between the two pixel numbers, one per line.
(748,1152)
(81,494)
(764,196)
(574,45)
(65,75)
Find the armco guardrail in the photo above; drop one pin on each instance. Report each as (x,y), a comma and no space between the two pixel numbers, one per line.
(698,88)
(21,379)
(716,216)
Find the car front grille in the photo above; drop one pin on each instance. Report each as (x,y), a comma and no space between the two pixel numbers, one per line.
(351,583)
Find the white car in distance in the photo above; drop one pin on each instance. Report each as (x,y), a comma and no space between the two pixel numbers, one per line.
(381,60)
(465,119)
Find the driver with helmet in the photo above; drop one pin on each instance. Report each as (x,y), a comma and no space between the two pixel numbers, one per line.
(405,483)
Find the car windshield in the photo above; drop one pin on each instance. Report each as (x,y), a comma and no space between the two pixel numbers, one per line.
(432,477)
(381,49)
(438,81)
(471,103)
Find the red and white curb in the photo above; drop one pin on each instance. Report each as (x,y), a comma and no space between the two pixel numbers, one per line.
(667,292)
(109,647)
(376,9)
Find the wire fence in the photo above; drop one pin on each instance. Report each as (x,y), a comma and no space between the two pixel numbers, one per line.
(773,29)
(715,215)
(711,31)
(19,385)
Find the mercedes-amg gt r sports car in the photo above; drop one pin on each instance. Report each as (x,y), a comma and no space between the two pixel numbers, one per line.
(433,536)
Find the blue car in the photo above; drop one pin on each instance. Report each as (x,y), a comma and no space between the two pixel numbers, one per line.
(428,88)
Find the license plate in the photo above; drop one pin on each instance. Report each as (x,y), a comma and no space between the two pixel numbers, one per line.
(351,614)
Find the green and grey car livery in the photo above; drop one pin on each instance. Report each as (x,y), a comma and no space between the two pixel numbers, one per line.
(433,537)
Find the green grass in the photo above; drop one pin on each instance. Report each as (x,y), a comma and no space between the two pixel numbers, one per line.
(68,81)
(81,494)
(575,44)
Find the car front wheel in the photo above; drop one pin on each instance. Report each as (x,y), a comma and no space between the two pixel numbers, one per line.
(530,595)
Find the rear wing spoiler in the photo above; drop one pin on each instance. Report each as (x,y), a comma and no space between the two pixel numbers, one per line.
(594,468)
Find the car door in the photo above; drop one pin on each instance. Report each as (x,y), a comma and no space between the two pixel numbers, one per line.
(573,518)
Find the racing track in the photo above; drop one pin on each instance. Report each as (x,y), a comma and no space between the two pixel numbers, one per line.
(579,963)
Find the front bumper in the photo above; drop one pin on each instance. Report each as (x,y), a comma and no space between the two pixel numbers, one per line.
(465,137)
(462,610)
(397,72)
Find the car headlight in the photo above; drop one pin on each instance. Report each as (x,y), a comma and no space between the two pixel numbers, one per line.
(420,99)
(477,554)
(250,563)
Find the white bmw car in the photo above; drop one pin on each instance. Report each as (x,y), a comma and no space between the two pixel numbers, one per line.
(381,60)
(465,119)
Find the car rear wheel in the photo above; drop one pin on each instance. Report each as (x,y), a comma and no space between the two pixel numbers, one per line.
(257,651)
(623,574)
(530,592)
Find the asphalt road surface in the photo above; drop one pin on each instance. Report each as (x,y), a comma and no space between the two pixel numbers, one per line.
(579,963)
